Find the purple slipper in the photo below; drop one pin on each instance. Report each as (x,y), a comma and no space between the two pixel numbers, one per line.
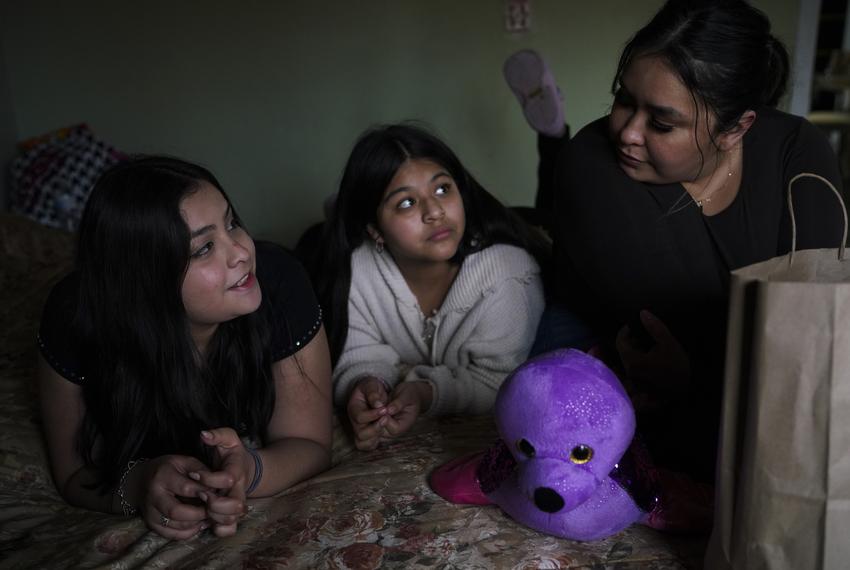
(532,82)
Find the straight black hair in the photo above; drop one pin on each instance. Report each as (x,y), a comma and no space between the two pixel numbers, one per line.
(150,391)
(722,51)
(375,159)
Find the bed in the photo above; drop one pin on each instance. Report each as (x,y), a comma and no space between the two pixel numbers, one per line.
(370,510)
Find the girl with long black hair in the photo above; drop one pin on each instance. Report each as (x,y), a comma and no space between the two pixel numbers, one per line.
(184,368)
(431,287)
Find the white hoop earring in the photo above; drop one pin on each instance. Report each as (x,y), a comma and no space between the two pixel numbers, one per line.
(379,246)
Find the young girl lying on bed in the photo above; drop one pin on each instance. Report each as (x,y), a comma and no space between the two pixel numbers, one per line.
(184,367)
(431,295)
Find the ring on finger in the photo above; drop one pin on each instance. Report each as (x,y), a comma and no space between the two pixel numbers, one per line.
(164,520)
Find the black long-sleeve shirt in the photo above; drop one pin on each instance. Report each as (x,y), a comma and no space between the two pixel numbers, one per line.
(623,245)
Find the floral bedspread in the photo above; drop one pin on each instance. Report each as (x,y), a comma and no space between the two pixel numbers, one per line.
(371,510)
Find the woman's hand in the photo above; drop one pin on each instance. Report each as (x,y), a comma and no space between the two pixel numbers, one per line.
(663,367)
(234,473)
(161,488)
(409,400)
(367,410)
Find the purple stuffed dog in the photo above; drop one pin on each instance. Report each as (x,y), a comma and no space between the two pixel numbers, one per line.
(566,463)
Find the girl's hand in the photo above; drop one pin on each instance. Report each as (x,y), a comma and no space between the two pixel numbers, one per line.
(235,470)
(409,399)
(663,367)
(163,486)
(367,411)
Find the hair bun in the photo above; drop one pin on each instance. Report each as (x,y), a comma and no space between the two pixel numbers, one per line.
(776,77)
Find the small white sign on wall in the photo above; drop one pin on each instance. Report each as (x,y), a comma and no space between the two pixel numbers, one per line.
(517,15)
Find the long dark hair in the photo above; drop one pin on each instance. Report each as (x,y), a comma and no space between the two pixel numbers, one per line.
(377,155)
(721,50)
(149,391)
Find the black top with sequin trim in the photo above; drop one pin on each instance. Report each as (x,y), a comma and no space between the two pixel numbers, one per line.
(288,300)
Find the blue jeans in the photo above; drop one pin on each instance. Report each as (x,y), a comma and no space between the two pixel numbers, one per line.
(561,328)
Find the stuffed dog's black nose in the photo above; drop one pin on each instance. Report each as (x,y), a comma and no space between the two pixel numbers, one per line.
(547,500)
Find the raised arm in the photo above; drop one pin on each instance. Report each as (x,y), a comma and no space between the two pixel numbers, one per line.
(300,431)
(366,353)
(298,443)
(62,411)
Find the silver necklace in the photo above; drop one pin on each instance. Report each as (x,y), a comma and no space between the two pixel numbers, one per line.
(703,199)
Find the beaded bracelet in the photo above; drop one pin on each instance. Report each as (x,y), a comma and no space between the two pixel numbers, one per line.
(128,509)
(258,470)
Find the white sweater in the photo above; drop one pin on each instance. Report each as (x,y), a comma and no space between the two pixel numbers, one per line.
(483,330)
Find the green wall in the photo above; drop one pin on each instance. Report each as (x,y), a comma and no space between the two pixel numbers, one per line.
(272,94)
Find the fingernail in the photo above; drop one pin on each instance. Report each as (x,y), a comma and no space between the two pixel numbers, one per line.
(203,496)
(206,435)
(195,475)
(204,526)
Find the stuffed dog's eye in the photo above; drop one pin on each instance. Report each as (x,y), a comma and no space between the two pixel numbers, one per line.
(525,448)
(581,454)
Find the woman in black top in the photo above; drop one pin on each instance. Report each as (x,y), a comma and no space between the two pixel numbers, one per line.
(683,181)
(183,368)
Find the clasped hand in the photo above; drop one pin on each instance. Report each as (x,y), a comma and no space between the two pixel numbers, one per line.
(377,414)
(182,496)
(663,367)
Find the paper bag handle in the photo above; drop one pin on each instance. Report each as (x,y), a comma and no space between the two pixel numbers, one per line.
(794,223)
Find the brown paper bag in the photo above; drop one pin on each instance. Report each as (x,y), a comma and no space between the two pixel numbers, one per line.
(783,479)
